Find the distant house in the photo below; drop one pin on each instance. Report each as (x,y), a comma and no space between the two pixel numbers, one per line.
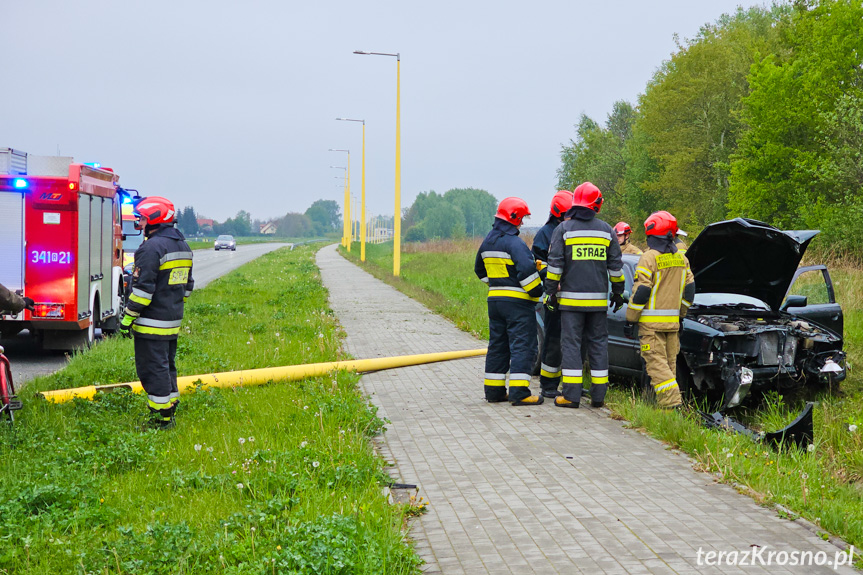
(268,228)
(205,225)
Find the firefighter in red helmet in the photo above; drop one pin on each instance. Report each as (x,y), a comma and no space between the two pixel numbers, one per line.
(661,296)
(505,263)
(623,232)
(161,283)
(583,258)
(549,375)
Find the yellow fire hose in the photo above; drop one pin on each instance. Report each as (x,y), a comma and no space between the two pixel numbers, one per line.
(267,374)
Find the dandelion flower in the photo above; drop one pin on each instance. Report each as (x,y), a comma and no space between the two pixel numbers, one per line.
(240,485)
(852,428)
(277,334)
(810,448)
(315,463)
(198,447)
(303,444)
(242,440)
(727,455)
(209,450)
(251,440)
(278,547)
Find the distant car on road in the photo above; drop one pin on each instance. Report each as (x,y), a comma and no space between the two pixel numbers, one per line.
(225,242)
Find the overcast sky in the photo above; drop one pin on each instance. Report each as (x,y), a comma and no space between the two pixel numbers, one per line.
(231,105)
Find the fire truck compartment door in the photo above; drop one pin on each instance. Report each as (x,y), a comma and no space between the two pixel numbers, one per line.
(12,240)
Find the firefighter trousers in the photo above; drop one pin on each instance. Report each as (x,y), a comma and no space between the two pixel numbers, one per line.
(511,347)
(154,362)
(549,375)
(659,351)
(587,330)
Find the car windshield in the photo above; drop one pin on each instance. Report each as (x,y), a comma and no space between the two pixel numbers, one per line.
(729,300)
(225,238)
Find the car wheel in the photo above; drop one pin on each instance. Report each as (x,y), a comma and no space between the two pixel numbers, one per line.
(540,341)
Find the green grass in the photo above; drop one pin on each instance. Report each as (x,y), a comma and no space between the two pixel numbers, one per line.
(824,485)
(279,478)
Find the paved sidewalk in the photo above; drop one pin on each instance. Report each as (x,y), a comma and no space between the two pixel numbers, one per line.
(536,489)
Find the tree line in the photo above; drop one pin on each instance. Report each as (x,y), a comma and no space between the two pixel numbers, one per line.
(458,213)
(759,115)
(323,217)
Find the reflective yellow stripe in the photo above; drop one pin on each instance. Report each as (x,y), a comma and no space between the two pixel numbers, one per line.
(495,382)
(519,383)
(550,374)
(155,330)
(532,284)
(541,265)
(505,261)
(665,386)
(176,264)
(512,294)
(572,378)
(644,271)
(617,279)
(636,306)
(583,302)
(647,318)
(553,277)
(599,380)
(158,406)
(593,241)
(139,299)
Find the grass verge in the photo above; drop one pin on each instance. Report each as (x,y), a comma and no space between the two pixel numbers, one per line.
(207,243)
(278,478)
(824,485)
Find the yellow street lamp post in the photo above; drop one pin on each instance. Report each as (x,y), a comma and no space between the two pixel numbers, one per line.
(347,197)
(397,220)
(346,242)
(363,204)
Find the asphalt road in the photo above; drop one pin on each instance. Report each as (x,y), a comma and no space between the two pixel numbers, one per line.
(28,361)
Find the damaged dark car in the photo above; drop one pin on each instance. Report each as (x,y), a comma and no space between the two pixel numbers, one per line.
(759,321)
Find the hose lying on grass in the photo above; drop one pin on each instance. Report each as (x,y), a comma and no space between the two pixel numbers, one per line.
(268,374)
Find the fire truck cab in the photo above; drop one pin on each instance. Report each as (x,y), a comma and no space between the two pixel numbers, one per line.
(61,245)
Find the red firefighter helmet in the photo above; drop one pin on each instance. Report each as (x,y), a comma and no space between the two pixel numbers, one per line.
(560,203)
(152,211)
(622,228)
(587,195)
(512,210)
(660,224)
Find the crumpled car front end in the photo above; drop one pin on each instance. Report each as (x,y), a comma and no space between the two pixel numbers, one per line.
(734,354)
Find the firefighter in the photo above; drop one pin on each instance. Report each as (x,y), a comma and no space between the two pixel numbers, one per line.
(662,293)
(582,259)
(13,303)
(505,263)
(161,283)
(678,241)
(623,232)
(549,375)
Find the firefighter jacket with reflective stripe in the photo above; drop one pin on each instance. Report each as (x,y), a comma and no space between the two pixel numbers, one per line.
(541,243)
(10,301)
(161,282)
(629,248)
(662,292)
(505,263)
(583,258)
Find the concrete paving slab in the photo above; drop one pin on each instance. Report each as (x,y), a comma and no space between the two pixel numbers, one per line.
(536,489)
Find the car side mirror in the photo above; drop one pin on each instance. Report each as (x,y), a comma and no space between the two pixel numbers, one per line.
(794,301)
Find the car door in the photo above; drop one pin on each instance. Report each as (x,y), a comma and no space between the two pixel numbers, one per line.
(623,353)
(815,283)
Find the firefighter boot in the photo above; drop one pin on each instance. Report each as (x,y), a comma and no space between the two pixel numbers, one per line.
(561,401)
(530,400)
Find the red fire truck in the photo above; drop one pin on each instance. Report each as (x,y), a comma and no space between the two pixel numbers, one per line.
(61,245)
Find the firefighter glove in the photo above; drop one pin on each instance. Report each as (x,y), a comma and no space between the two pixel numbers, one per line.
(550,301)
(629,330)
(29,304)
(617,302)
(126,325)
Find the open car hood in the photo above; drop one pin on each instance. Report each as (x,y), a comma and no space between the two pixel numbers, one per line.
(747,257)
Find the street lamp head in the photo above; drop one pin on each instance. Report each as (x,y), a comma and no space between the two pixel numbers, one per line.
(361,52)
